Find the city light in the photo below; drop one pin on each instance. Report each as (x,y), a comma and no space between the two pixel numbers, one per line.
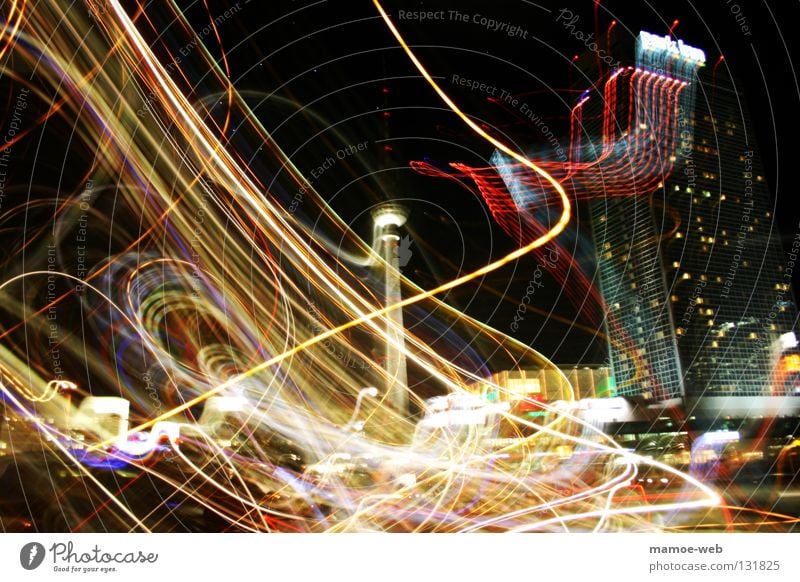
(235,299)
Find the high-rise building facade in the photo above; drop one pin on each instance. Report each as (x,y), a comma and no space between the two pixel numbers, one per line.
(725,262)
(691,268)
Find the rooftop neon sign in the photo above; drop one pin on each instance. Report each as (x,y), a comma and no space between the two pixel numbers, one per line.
(651,42)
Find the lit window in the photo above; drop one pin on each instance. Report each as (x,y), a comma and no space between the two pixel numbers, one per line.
(686,276)
(675,264)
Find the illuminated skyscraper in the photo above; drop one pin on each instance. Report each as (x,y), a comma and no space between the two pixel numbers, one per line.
(629,222)
(724,263)
(691,269)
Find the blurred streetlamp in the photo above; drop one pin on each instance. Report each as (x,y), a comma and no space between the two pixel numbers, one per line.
(352,424)
(66,389)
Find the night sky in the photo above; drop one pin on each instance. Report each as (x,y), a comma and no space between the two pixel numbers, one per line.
(327,77)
